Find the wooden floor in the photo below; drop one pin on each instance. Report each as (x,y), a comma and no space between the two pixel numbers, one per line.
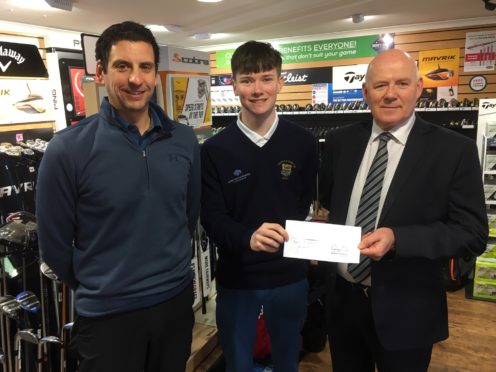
(470,347)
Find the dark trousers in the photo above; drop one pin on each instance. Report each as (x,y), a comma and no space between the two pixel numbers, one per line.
(284,311)
(353,340)
(154,339)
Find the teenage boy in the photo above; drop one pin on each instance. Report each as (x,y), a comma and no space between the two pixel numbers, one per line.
(257,173)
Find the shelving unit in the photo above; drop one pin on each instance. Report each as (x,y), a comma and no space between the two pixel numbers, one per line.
(485,267)
(320,122)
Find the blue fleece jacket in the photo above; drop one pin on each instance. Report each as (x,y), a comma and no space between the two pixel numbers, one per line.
(115,221)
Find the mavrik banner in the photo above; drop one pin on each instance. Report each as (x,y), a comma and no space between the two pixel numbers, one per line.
(439,68)
(21,60)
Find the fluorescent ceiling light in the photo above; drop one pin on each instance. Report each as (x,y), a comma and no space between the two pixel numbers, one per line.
(164,28)
(157,28)
(209,1)
(33,5)
(203,36)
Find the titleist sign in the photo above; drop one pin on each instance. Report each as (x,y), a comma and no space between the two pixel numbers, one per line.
(307,76)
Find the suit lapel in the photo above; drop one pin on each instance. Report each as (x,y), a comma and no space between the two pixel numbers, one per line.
(413,152)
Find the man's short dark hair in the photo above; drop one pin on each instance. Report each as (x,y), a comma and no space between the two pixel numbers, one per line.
(129,31)
(255,56)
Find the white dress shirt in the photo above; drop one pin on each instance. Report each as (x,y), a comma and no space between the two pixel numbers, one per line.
(256,138)
(395,149)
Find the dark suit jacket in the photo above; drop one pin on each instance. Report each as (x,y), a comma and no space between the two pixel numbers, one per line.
(435,206)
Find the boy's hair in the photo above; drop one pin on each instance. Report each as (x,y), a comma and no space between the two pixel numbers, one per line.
(130,31)
(253,57)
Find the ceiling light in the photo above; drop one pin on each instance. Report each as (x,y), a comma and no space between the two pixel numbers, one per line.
(157,28)
(60,4)
(173,27)
(388,41)
(488,5)
(203,36)
(209,1)
(357,18)
(33,4)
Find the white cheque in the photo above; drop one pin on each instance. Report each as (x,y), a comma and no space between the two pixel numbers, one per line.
(322,241)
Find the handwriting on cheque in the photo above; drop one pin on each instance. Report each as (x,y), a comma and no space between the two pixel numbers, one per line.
(308,243)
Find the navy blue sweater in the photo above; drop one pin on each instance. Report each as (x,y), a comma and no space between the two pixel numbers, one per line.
(243,186)
(114,220)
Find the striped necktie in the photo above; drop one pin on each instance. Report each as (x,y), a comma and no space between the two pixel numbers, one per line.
(369,203)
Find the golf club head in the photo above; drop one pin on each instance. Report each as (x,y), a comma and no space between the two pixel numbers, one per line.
(28,301)
(50,340)
(48,272)
(9,306)
(27,335)
(19,234)
(66,331)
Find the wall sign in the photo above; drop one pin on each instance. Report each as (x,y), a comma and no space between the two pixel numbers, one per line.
(439,68)
(322,50)
(299,76)
(480,51)
(348,77)
(25,101)
(21,60)
(307,76)
(478,83)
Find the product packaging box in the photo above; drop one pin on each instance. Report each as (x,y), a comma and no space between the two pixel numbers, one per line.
(490,192)
(491,130)
(490,162)
(491,221)
(489,254)
(485,271)
(485,289)
(485,274)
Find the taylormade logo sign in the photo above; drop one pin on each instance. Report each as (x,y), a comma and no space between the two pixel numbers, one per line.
(350,77)
(487,105)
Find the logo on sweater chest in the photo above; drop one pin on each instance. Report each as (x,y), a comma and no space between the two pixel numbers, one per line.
(238,176)
(287,167)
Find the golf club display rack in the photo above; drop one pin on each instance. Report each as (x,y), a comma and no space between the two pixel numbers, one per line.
(36,310)
(321,118)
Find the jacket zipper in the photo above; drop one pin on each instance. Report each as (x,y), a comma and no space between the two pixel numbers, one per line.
(147,169)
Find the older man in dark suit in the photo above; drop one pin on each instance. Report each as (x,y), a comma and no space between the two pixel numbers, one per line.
(416,190)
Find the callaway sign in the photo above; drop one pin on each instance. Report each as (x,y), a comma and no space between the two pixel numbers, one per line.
(21,60)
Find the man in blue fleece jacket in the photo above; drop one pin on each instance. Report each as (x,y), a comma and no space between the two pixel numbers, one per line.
(256,174)
(117,200)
